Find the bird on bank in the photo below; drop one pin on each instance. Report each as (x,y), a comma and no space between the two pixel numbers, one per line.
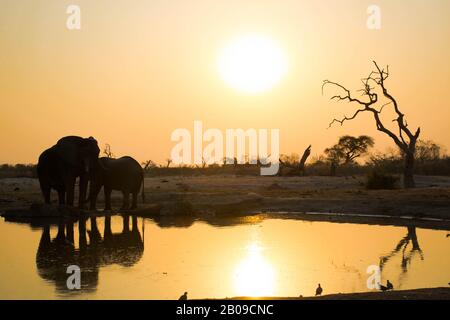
(383,288)
(389,286)
(183,297)
(319,290)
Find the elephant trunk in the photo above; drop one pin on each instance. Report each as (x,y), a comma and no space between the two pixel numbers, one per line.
(86,165)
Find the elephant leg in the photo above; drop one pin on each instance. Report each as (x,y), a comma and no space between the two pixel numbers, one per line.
(83,187)
(134,201)
(93,204)
(134,225)
(107,191)
(61,235)
(107,232)
(126,200)
(82,239)
(93,198)
(70,188)
(126,224)
(95,233)
(62,197)
(45,238)
(46,193)
(70,233)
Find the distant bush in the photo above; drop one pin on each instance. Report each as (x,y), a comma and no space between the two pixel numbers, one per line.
(215,169)
(320,166)
(18,171)
(389,162)
(377,179)
(436,167)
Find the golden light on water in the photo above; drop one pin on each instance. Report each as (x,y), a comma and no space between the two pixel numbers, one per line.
(284,258)
(254,276)
(252,64)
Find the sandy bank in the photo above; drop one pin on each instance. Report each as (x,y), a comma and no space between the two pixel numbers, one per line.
(416,294)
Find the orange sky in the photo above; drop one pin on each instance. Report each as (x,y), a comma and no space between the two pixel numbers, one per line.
(138,70)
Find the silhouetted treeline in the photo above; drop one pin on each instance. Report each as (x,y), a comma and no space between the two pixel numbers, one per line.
(215,169)
(18,171)
(319,166)
(430,160)
(382,163)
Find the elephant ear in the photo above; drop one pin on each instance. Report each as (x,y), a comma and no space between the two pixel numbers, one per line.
(69,149)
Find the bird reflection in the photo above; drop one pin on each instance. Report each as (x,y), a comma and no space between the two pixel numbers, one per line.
(55,255)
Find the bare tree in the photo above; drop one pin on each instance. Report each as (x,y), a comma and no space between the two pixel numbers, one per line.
(148,164)
(301,164)
(405,139)
(204,162)
(107,151)
(169,161)
(294,162)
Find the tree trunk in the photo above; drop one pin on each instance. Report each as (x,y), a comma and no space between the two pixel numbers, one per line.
(333,168)
(301,165)
(408,171)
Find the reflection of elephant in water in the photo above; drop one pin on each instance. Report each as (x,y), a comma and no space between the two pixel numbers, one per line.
(59,166)
(124,174)
(55,255)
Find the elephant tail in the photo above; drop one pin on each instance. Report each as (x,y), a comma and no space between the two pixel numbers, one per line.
(143,188)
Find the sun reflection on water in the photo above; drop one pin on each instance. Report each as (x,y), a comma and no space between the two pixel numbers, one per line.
(254,276)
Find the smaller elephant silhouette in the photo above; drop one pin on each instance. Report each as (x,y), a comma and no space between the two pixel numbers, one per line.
(124,174)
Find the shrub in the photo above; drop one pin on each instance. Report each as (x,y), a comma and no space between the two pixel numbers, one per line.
(380,180)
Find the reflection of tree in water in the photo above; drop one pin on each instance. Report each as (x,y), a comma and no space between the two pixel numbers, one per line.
(55,255)
(407,256)
(214,220)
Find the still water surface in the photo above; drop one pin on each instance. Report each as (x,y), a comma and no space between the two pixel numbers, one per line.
(133,258)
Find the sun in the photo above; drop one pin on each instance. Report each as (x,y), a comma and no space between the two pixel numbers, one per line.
(252,63)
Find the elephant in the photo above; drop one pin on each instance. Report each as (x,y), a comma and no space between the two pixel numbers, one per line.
(59,166)
(124,174)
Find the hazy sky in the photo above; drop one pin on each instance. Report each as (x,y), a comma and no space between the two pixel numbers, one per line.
(137,70)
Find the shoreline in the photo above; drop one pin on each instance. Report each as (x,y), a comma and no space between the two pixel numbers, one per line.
(440,293)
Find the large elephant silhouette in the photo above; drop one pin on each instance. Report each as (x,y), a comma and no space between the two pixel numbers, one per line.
(94,251)
(59,167)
